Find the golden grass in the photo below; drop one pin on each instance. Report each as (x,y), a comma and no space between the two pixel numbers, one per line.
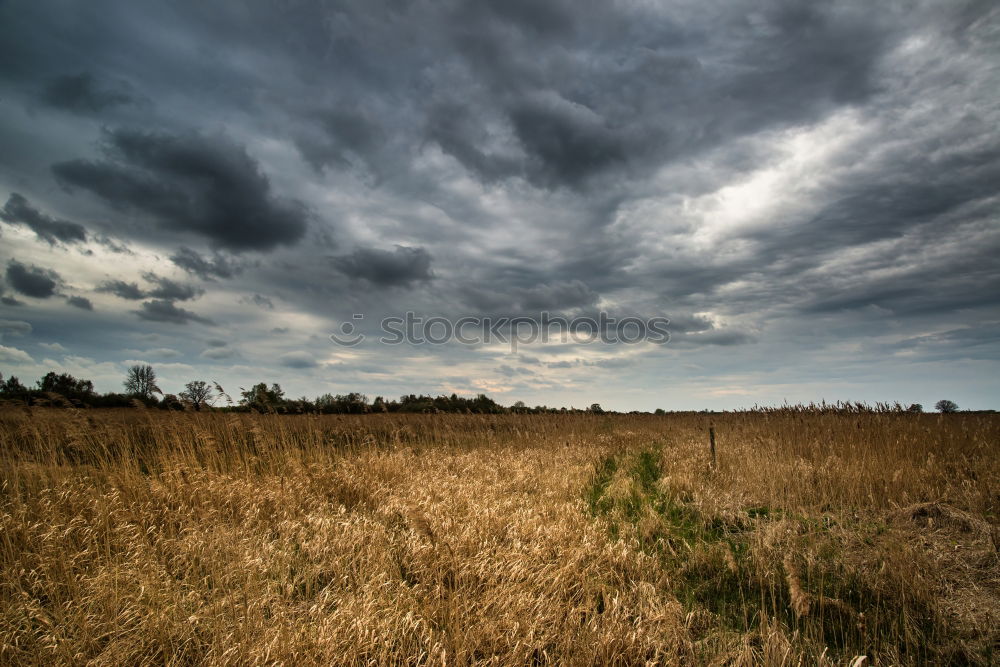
(135,537)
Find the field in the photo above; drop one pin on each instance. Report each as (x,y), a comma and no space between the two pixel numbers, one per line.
(143,537)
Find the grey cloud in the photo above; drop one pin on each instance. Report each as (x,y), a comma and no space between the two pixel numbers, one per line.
(18,211)
(15,327)
(565,141)
(297,360)
(161,310)
(386,268)
(82,93)
(206,185)
(339,137)
(721,337)
(83,303)
(547,155)
(557,296)
(164,288)
(113,245)
(976,342)
(217,353)
(122,289)
(258,300)
(32,280)
(216,267)
(553,297)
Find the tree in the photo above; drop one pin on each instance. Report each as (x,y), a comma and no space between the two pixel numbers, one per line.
(65,385)
(596,409)
(915,407)
(197,393)
(944,405)
(141,381)
(12,386)
(262,399)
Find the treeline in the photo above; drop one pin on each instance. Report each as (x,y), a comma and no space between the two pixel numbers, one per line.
(62,390)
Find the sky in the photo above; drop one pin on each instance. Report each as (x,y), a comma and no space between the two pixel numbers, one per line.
(809,192)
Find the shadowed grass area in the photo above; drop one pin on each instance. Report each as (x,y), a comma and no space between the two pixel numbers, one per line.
(764,567)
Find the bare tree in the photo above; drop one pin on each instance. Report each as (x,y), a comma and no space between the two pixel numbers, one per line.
(198,393)
(141,381)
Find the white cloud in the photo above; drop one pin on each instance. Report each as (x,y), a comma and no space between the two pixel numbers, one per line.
(12,355)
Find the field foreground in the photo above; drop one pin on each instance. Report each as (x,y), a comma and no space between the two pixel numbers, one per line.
(135,537)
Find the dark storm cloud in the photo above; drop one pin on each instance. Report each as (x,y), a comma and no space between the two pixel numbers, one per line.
(32,280)
(18,211)
(547,155)
(207,269)
(82,93)
(387,268)
(566,144)
(80,302)
(161,310)
(207,185)
(341,137)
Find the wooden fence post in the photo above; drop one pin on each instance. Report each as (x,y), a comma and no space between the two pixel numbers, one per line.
(711,444)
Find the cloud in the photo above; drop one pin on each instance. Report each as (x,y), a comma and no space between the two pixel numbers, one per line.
(12,355)
(157,353)
(217,353)
(566,142)
(17,211)
(387,268)
(53,347)
(192,262)
(15,327)
(206,185)
(170,290)
(720,337)
(339,137)
(258,300)
(554,296)
(82,93)
(161,310)
(122,289)
(807,179)
(163,288)
(297,360)
(31,280)
(80,302)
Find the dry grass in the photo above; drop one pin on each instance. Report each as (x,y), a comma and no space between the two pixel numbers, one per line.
(133,537)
